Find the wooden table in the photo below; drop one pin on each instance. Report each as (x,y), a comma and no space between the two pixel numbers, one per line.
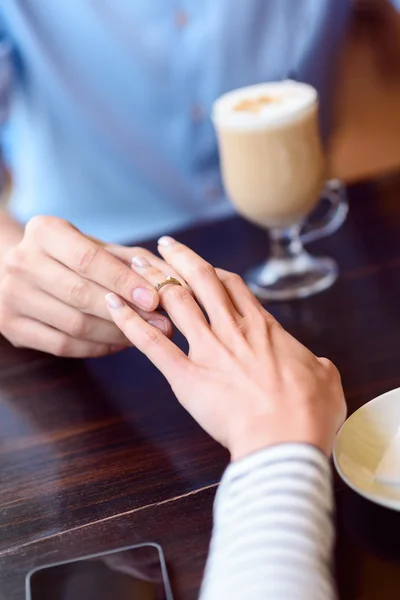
(96,455)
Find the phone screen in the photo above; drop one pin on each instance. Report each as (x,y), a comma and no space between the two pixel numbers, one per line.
(136,573)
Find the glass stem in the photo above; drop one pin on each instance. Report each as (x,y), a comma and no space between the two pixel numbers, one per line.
(285,244)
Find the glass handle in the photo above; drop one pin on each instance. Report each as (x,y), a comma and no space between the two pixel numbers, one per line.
(334,192)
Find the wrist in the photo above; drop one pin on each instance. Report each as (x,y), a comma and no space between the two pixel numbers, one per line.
(264,435)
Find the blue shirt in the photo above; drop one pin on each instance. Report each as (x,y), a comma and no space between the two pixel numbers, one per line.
(109,100)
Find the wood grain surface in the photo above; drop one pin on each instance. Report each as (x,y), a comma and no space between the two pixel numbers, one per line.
(98,454)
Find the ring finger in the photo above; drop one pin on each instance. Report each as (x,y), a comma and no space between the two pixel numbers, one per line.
(204,282)
(175,299)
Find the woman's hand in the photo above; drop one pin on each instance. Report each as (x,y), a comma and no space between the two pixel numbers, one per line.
(246,381)
(52,288)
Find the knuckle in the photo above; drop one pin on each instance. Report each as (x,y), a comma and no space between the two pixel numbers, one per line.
(40,224)
(178,249)
(271,324)
(234,279)
(81,294)
(237,324)
(85,258)
(127,320)
(77,326)
(14,261)
(327,364)
(204,270)
(152,274)
(176,293)
(61,345)
(123,281)
(151,336)
(330,368)
(221,273)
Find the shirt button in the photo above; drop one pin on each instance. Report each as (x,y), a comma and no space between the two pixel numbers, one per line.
(181,19)
(197,113)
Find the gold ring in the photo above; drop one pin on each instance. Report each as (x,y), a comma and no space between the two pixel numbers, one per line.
(167,281)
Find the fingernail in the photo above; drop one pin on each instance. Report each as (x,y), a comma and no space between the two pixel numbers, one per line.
(140,261)
(114,349)
(160,324)
(166,241)
(143,298)
(114,301)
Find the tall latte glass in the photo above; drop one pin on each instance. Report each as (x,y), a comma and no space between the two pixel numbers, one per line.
(273,167)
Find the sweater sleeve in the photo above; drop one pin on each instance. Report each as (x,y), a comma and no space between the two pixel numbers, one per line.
(273,529)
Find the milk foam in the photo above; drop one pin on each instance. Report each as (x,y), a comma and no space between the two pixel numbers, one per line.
(280,103)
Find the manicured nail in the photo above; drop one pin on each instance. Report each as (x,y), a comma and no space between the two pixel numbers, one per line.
(160,324)
(166,241)
(140,261)
(143,298)
(114,301)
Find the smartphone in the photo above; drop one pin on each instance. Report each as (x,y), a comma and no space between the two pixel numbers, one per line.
(134,573)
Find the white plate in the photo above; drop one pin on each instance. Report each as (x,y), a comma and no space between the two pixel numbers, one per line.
(361,443)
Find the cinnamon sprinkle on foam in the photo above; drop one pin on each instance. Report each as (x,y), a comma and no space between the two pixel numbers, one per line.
(254,105)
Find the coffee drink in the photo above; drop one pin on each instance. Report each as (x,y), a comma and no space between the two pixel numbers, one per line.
(272,160)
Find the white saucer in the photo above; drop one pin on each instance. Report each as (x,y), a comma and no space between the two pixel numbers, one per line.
(361,443)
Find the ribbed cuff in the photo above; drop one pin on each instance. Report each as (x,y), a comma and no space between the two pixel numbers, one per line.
(301,460)
(273,529)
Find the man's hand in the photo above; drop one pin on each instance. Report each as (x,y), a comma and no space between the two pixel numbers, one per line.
(246,380)
(52,290)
